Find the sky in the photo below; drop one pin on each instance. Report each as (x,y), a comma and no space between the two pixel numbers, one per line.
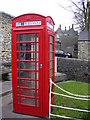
(44,7)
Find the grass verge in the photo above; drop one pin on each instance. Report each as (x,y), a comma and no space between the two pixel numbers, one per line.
(74,87)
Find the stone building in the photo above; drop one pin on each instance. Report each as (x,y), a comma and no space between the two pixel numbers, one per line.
(67,40)
(5,37)
(84,45)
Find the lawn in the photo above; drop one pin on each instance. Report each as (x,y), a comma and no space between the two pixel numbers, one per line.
(74,87)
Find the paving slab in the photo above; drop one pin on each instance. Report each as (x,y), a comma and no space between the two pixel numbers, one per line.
(6,87)
(59,77)
(7,111)
(6,98)
(6,104)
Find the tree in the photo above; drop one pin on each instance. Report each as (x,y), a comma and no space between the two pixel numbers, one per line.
(82,14)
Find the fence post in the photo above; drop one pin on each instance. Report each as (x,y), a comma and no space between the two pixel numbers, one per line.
(50,98)
(55,64)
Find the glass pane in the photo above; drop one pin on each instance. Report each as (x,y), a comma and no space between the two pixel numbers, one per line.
(27,47)
(37,66)
(37,84)
(37,93)
(17,38)
(17,64)
(27,92)
(37,102)
(17,82)
(27,65)
(37,47)
(27,37)
(50,56)
(51,64)
(17,73)
(51,38)
(37,75)
(24,74)
(27,56)
(17,47)
(37,56)
(27,83)
(18,99)
(37,37)
(52,85)
(17,55)
(17,90)
(32,56)
(28,101)
(51,72)
(22,56)
(50,47)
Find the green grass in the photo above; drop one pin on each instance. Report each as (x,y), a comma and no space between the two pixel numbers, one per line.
(74,87)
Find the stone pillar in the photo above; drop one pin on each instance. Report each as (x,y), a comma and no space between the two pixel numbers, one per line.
(84,45)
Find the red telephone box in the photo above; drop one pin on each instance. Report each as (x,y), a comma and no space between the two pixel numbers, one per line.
(33,46)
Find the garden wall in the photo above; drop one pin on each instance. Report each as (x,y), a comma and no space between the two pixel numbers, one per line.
(5,37)
(75,69)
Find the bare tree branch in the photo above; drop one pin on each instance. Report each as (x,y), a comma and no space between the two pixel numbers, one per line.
(81,12)
(65,8)
(77,6)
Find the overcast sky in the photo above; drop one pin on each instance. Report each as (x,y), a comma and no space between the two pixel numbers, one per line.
(43,7)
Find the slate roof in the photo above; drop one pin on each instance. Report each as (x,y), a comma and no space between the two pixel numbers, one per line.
(70,32)
(84,36)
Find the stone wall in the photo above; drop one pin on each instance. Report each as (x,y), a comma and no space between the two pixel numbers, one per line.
(75,69)
(5,37)
(84,50)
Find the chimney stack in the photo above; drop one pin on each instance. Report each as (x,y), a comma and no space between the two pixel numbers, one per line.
(60,26)
(72,26)
(69,27)
(65,28)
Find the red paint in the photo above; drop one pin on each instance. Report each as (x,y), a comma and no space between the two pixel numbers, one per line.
(30,83)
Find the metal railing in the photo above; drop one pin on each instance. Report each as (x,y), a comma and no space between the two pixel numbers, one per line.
(71,95)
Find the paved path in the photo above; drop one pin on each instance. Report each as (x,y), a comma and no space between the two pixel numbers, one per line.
(6,100)
(5,87)
(6,107)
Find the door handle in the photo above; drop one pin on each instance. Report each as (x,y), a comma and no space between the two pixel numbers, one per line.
(40,66)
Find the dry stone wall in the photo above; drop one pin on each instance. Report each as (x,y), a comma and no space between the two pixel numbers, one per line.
(5,37)
(75,69)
